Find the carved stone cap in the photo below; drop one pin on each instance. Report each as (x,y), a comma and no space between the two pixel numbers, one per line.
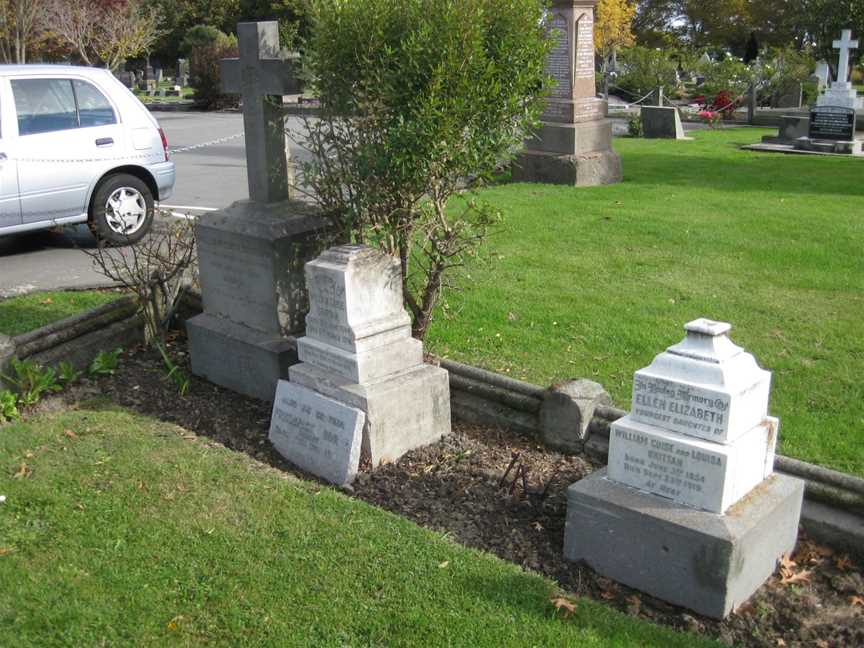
(708,341)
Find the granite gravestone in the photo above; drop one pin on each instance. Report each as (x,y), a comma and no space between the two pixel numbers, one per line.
(182,76)
(659,122)
(251,255)
(691,475)
(832,123)
(574,143)
(358,350)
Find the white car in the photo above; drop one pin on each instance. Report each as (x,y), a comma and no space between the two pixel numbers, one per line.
(76,146)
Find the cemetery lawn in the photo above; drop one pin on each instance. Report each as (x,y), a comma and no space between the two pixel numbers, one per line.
(594,282)
(29,312)
(118,529)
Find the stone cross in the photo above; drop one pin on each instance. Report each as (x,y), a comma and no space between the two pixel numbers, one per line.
(845,45)
(262,75)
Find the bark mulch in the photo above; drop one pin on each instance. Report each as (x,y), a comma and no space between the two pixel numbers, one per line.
(506,494)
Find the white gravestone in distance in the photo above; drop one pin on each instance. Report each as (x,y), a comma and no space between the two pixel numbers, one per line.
(320,435)
(359,351)
(842,93)
(689,508)
(699,431)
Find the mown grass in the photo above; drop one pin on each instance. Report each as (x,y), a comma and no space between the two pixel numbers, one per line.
(595,282)
(120,530)
(29,312)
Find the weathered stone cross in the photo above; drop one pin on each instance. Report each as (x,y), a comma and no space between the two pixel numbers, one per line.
(845,44)
(262,75)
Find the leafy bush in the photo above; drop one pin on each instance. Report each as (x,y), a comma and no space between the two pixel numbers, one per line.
(417,96)
(643,69)
(202,36)
(8,406)
(31,381)
(67,374)
(204,73)
(105,363)
(730,74)
(634,126)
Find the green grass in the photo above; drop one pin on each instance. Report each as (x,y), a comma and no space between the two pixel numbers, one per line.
(29,312)
(124,532)
(595,282)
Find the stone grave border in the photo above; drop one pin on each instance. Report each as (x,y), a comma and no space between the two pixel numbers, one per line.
(833,509)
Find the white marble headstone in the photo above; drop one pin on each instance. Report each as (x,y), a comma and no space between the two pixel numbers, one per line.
(316,433)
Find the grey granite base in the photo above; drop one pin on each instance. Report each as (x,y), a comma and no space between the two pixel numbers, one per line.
(706,562)
(588,170)
(240,358)
(404,411)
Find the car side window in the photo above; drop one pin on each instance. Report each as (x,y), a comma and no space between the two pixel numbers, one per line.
(94,109)
(44,105)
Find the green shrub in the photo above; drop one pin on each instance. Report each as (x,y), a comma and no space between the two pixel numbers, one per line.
(415,97)
(105,363)
(643,69)
(729,74)
(67,373)
(202,36)
(204,73)
(31,381)
(8,406)
(634,126)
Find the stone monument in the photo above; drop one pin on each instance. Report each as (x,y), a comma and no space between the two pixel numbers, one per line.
(574,143)
(251,255)
(662,122)
(842,93)
(689,509)
(358,363)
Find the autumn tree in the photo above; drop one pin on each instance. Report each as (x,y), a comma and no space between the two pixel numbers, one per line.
(105,32)
(21,21)
(612,31)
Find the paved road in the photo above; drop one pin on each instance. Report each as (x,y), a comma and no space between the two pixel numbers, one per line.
(209,177)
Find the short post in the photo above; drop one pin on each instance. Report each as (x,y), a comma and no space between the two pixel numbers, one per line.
(660,99)
(751,104)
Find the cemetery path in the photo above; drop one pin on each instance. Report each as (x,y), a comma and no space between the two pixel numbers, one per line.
(462,487)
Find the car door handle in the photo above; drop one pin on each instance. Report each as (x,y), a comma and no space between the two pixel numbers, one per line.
(105,141)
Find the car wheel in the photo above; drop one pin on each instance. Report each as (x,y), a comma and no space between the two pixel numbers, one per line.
(122,210)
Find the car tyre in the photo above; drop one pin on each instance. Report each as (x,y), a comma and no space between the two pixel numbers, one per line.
(122,209)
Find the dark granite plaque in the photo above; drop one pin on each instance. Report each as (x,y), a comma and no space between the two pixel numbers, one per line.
(832,123)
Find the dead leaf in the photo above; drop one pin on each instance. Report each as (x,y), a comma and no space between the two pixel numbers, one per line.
(794,579)
(80,506)
(70,434)
(47,302)
(781,643)
(512,317)
(537,526)
(787,565)
(856,601)
(821,643)
(634,604)
(607,595)
(23,471)
(444,564)
(174,623)
(843,563)
(562,603)
(5,551)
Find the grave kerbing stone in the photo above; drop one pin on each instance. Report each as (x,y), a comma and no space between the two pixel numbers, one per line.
(691,472)
(574,143)
(251,255)
(358,350)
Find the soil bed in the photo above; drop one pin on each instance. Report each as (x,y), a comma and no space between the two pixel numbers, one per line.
(458,487)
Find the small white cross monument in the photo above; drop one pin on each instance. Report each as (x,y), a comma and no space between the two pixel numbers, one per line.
(845,45)
(841,93)
(262,75)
